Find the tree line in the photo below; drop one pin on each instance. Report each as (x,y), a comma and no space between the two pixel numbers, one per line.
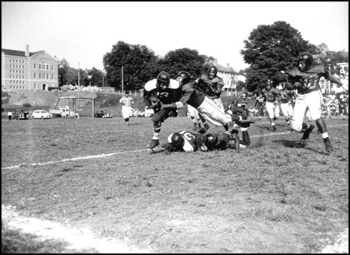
(270,50)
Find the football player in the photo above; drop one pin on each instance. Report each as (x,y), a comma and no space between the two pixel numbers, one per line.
(236,110)
(212,85)
(272,106)
(205,106)
(221,141)
(260,104)
(185,141)
(126,102)
(167,90)
(286,102)
(306,77)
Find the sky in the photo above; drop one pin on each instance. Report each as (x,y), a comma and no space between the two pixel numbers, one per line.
(83,32)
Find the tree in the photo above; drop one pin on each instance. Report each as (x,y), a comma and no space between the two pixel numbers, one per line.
(137,62)
(94,77)
(271,49)
(63,67)
(182,59)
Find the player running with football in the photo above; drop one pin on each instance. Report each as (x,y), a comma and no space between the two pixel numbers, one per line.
(306,77)
(162,90)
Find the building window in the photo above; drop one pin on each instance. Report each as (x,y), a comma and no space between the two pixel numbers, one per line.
(34,65)
(52,67)
(47,67)
(35,86)
(34,75)
(51,76)
(39,66)
(39,75)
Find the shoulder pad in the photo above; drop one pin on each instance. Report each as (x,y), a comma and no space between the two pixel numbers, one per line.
(151,85)
(174,84)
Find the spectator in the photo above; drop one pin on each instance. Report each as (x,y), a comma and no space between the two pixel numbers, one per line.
(9,115)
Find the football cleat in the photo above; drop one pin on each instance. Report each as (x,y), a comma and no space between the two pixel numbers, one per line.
(328,145)
(308,132)
(153,144)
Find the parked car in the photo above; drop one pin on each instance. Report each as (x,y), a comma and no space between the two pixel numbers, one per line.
(103,114)
(58,111)
(20,114)
(66,114)
(41,114)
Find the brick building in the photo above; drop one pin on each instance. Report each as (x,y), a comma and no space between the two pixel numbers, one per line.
(28,71)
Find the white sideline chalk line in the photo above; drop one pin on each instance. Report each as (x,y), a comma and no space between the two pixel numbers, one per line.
(71,159)
(122,152)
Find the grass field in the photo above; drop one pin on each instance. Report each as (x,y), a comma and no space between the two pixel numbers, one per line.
(276,197)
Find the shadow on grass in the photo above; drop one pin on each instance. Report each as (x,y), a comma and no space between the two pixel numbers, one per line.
(298,144)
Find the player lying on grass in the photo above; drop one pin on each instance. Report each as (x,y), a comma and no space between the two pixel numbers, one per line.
(187,141)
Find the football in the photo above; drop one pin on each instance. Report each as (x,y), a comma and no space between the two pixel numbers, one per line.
(155,102)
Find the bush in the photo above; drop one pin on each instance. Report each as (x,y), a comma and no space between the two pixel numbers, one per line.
(26,105)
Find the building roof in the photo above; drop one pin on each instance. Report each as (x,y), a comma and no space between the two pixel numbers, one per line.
(18,53)
(225,69)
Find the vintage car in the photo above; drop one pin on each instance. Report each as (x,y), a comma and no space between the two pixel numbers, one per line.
(20,114)
(41,114)
(103,114)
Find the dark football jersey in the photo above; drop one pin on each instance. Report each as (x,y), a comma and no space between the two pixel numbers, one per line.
(193,141)
(271,94)
(191,95)
(285,96)
(309,81)
(212,88)
(167,96)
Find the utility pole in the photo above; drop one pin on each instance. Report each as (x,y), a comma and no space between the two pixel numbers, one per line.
(79,74)
(122,80)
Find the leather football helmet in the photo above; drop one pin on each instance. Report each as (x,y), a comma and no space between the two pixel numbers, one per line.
(177,140)
(183,77)
(212,71)
(210,141)
(163,80)
(235,102)
(305,61)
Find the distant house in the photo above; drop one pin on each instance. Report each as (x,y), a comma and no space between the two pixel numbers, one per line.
(228,74)
(27,71)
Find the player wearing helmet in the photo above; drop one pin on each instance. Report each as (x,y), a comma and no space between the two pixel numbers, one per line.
(168,91)
(205,106)
(212,85)
(185,141)
(286,97)
(237,110)
(272,106)
(221,141)
(305,78)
